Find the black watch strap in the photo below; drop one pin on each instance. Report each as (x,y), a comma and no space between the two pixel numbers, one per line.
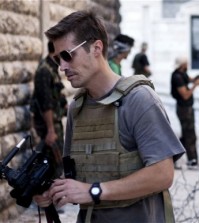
(95,192)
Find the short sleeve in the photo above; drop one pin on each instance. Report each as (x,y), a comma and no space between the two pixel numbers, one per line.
(144,126)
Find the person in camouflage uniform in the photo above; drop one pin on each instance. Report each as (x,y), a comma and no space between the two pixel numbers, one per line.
(48,106)
(183,94)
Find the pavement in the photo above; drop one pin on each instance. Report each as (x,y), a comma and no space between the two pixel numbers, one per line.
(31,215)
(185,193)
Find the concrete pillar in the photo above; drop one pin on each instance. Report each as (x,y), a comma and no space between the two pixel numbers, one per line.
(145,25)
(44,23)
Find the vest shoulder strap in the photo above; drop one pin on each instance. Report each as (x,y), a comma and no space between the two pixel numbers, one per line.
(79,101)
(125,86)
(130,82)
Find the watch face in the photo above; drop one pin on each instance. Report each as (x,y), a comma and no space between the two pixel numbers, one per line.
(95,190)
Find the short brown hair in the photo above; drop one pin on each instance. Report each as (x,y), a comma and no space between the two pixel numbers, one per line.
(85,26)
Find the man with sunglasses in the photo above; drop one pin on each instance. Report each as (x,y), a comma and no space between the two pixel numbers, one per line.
(118,134)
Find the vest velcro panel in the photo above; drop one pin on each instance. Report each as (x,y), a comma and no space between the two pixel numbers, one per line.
(98,154)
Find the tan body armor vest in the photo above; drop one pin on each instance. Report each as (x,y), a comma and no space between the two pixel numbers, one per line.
(96,148)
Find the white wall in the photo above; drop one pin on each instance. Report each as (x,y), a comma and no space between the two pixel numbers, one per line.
(167,38)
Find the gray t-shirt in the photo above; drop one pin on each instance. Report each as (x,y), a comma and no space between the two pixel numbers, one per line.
(143,126)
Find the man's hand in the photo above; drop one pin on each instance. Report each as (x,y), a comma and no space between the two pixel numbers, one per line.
(51,138)
(138,184)
(146,181)
(42,200)
(65,191)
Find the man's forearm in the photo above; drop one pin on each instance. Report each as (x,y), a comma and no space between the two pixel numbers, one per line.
(149,180)
(186,93)
(48,118)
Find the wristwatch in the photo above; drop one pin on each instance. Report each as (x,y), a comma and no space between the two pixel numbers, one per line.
(95,192)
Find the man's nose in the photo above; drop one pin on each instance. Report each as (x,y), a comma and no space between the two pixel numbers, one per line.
(63,65)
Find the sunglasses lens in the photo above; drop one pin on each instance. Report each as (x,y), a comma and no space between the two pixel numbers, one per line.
(57,59)
(66,56)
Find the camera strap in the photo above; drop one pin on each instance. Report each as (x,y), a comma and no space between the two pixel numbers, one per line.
(39,213)
(51,214)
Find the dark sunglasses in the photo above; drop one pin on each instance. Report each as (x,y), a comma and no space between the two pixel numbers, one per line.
(66,55)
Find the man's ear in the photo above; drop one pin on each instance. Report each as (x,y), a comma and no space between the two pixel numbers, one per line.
(97,47)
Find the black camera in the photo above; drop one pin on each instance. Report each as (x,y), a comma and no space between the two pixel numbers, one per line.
(33,177)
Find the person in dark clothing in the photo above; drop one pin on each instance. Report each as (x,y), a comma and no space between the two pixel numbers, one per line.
(183,94)
(48,106)
(140,63)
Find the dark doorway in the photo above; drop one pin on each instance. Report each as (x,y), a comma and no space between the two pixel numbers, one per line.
(195,42)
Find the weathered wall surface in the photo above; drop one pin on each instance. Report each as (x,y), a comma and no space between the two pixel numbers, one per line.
(22,44)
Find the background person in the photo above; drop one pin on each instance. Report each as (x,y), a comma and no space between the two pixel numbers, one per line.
(48,106)
(122,45)
(183,94)
(122,164)
(140,62)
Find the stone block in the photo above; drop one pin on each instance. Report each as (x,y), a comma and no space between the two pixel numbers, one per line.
(17,72)
(14,23)
(58,12)
(19,47)
(16,94)
(9,141)
(14,119)
(22,6)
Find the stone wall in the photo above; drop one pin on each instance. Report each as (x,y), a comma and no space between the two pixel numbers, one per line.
(22,44)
